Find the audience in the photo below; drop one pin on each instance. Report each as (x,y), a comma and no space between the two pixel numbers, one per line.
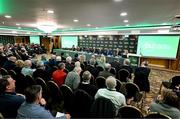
(105,73)
(9,100)
(33,106)
(10,63)
(27,70)
(126,65)
(69,65)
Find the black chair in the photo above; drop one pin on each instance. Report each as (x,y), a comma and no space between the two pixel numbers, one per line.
(132,91)
(3,72)
(100,68)
(118,85)
(67,95)
(103,108)
(129,112)
(156,115)
(123,75)
(81,104)
(13,74)
(55,101)
(29,80)
(100,82)
(113,71)
(43,84)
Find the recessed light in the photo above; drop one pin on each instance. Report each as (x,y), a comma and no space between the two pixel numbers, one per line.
(14,31)
(7,16)
(88,24)
(17,24)
(50,11)
(76,20)
(123,14)
(3,22)
(117,0)
(19,27)
(97,27)
(126,21)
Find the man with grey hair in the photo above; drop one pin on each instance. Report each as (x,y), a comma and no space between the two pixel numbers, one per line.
(117,98)
(105,73)
(73,78)
(126,65)
(59,75)
(69,66)
(41,72)
(85,84)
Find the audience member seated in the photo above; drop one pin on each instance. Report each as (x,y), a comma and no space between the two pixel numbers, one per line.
(52,61)
(59,75)
(167,104)
(110,92)
(116,65)
(58,60)
(73,78)
(10,63)
(86,86)
(3,57)
(105,73)
(19,66)
(33,106)
(69,66)
(126,65)
(41,72)
(117,53)
(125,54)
(62,57)
(9,100)
(141,77)
(91,67)
(26,70)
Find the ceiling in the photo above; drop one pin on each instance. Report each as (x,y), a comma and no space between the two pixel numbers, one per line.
(101,14)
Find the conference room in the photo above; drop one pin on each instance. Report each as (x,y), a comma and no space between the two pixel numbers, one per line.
(138,37)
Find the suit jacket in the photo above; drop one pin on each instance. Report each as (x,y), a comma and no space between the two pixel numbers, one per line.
(141,78)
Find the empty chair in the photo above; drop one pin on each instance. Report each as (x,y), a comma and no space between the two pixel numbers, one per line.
(3,71)
(55,101)
(103,108)
(81,104)
(118,85)
(67,95)
(130,112)
(100,82)
(123,75)
(156,115)
(41,82)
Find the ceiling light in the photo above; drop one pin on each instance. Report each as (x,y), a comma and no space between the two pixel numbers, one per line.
(118,0)
(88,24)
(127,24)
(19,27)
(7,16)
(76,20)
(126,21)
(123,14)
(163,31)
(97,27)
(47,27)
(50,11)
(17,24)
(14,31)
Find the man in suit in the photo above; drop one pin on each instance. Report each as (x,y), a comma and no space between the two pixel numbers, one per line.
(106,72)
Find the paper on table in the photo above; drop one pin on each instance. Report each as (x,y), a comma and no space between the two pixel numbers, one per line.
(59,114)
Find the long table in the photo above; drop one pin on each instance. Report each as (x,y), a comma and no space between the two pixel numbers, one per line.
(88,55)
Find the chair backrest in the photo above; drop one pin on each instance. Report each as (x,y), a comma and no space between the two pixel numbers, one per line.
(113,71)
(43,84)
(100,82)
(156,115)
(67,95)
(3,71)
(123,74)
(175,82)
(81,104)
(130,112)
(118,85)
(29,80)
(132,90)
(103,108)
(13,74)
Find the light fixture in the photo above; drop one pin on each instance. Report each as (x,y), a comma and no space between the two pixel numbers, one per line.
(123,14)
(88,24)
(17,24)
(118,0)
(19,27)
(7,16)
(76,20)
(47,27)
(127,24)
(50,11)
(126,21)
